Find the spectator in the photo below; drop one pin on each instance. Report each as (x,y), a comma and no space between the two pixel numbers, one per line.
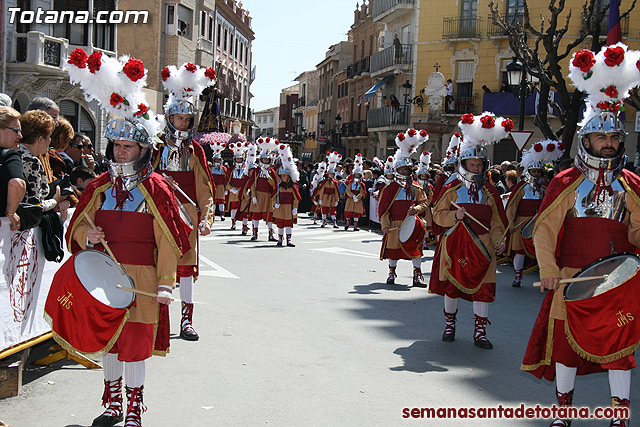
(37,127)
(12,181)
(395,112)
(60,138)
(386,102)
(494,177)
(82,176)
(504,87)
(397,46)
(88,155)
(46,105)
(511,179)
(73,153)
(449,103)
(5,100)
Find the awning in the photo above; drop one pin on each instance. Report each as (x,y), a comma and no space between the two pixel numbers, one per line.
(372,91)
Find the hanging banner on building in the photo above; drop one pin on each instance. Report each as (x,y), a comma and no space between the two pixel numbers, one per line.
(25,279)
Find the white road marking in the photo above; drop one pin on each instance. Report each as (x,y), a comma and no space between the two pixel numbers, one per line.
(345,251)
(217,270)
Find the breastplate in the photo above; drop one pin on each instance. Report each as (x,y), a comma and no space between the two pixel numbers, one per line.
(531,193)
(465,197)
(175,158)
(610,203)
(135,203)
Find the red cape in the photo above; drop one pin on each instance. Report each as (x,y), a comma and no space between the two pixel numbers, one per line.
(389,194)
(162,198)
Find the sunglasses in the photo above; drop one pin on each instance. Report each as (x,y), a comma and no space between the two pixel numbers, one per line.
(78,146)
(16,130)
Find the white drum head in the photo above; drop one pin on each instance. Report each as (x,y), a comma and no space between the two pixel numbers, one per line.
(406,229)
(100,275)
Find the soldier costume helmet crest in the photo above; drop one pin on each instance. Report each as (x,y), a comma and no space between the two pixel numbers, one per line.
(606,77)
(116,84)
(407,142)
(478,132)
(288,163)
(183,84)
(537,156)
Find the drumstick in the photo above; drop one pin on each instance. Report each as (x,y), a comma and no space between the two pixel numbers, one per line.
(206,216)
(177,187)
(507,229)
(471,217)
(577,279)
(104,243)
(138,291)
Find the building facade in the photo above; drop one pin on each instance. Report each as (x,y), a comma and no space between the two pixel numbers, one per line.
(266,123)
(34,59)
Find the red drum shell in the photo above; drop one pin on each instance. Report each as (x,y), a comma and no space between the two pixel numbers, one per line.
(412,233)
(527,239)
(81,322)
(603,315)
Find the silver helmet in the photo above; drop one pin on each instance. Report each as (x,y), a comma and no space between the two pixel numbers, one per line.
(136,171)
(174,136)
(590,165)
(530,179)
(400,163)
(473,152)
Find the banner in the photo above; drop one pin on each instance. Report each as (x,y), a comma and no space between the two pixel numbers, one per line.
(24,284)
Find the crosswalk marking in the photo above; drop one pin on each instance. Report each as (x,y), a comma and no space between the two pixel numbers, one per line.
(345,251)
(217,270)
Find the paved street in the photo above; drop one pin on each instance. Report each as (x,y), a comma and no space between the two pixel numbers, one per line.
(312,336)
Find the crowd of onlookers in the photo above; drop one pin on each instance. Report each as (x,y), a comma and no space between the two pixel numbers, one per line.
(44,161)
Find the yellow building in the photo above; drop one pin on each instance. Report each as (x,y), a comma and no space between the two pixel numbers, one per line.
(462,41)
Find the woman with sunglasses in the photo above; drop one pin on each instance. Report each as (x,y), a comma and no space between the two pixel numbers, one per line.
(12,181)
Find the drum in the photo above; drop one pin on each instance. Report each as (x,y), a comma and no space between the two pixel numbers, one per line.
(466,259)
(527,238)
(84,307)
(412,233)
(603,315)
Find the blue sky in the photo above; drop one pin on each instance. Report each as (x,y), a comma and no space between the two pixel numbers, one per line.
(292,36)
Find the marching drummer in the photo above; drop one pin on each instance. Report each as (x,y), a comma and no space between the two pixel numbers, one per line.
(182,159)
(262,183)
(398,199)
(327,192)
(468,195)
(355,192)
(286,197)
(136,211)
(237,186)
(423,179)
(589,211)
(526,197)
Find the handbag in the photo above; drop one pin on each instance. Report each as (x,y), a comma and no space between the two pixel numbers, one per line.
(30,215)
(52,236)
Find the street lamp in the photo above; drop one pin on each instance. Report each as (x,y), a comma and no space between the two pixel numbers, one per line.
(517,76)
(418,100)
(321,124)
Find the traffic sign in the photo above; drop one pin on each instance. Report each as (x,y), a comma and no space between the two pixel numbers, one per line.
(520,138)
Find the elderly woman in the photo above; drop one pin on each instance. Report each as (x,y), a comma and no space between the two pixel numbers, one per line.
(12,181)
(37,127)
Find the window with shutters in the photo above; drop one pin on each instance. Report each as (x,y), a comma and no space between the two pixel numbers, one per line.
(466,71)
(79,118)
(103,34)
(77,34)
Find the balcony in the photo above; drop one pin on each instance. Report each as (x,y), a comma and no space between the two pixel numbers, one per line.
(461,28)
(355,129)
(388,60)
(204,44)
(494,30)
(37,49)
(388,10)
(358,68)
(624,26)
(387,117)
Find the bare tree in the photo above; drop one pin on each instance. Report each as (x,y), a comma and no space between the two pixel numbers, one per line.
(542,55)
